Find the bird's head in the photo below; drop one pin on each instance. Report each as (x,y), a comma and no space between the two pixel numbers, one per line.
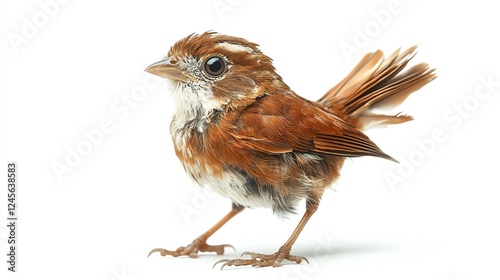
(216,72)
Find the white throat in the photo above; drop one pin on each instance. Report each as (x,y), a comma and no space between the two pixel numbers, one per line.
(192,109)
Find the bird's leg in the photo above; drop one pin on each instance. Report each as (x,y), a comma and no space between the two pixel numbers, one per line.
(200,243)
(261,260)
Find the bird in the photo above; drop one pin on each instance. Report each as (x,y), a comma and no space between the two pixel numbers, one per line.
(240,130)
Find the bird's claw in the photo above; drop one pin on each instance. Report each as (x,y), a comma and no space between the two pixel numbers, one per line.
(192,250)
(263,260)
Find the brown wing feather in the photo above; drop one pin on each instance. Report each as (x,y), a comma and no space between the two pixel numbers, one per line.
(285,123)
(262,144)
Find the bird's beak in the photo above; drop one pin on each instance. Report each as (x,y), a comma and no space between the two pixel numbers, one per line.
(165,69)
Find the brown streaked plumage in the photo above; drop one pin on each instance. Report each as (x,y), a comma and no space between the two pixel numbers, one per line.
(240,130)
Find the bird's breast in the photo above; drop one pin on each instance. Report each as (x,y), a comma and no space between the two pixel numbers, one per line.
(231,182)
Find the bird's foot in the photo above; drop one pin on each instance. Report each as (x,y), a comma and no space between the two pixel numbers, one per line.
(262,260)
(192,250)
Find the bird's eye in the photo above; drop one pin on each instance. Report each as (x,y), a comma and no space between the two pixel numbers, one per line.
(215,66)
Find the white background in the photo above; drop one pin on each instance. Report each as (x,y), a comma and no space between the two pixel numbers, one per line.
(129,194)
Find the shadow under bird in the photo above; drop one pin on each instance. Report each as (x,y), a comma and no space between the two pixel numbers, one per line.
(240,130)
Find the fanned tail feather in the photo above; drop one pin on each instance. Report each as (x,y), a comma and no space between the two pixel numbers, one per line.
(378,83)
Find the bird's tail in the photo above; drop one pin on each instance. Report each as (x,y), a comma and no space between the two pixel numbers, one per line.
(378,83)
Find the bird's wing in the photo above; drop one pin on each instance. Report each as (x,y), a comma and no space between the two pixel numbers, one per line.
(283,123)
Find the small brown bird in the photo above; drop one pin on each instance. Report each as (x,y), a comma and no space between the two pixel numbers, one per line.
(240,130)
